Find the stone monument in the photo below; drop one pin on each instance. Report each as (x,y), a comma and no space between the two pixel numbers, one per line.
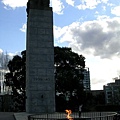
(40,84)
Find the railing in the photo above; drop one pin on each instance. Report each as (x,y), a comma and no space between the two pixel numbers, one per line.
(75,116)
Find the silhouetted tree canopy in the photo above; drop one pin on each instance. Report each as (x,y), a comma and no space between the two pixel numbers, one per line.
(68,76)
(16,80)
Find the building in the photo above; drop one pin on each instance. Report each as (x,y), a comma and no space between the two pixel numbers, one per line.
(86,80)
(4,59)
(3,89)
(112,92)
(98,97)
(1,80)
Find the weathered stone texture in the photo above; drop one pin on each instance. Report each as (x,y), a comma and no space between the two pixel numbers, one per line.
(40,85)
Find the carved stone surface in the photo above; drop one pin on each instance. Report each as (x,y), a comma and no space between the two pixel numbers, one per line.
(38,4)
(40,83)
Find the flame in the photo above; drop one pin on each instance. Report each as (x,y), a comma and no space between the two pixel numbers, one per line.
(68,114)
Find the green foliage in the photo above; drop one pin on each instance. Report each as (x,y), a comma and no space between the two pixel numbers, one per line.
(69,74)
(15,79)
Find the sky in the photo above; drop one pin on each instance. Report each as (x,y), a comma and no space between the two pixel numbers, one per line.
(89,27)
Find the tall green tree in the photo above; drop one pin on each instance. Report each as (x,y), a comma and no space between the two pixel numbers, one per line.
(15,79)
(69,75)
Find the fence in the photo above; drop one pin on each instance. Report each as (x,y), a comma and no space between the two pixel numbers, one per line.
(75,116)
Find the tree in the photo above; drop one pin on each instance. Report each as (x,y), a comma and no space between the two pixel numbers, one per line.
(69,75)
(16,79)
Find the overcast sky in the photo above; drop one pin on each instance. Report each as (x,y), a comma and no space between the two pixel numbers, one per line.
(89,27)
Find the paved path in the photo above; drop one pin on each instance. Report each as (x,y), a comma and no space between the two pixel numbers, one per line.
(6,116)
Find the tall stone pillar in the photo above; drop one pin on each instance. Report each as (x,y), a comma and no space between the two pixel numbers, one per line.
(40,84)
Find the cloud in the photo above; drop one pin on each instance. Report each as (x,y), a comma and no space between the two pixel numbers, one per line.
(14,3)
(104,8)
(23,29)
(87,4)
(102,70)
(1,51)
(98,37)
(6,57)
(70,2)
(11,55)
(57,6)
(99,42)
(116,10)
(105,1)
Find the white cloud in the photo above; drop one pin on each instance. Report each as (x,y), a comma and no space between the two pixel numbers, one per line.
(103,17)
(1,51)
(57,6)
(99,42)
(102,70)
(105,1)
(14,3)
(102,36)
(70,2)
(23,29)
(88,4)
(104,8)
(116,11)
(9,54)
(3,59)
